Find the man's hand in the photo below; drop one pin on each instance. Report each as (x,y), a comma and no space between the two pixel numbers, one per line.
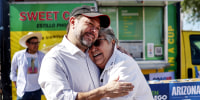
(112,89)
(118,89)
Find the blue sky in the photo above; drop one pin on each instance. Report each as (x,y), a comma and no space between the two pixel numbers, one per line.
(186,25)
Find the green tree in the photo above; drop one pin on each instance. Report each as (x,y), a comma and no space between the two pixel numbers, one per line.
(192,9)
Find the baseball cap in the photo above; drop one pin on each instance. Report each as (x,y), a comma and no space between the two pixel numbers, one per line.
(90,11)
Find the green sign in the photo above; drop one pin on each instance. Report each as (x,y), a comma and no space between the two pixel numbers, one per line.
(34,17)
(130,23)
(172,38)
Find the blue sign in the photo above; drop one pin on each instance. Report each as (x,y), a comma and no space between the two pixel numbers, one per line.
(183,91)
(176,91)
(160,91)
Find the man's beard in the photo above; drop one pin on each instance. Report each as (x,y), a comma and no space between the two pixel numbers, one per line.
(85,43)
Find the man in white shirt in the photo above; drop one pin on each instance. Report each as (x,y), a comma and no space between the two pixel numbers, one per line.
(67,72)
(25,67)
(114,63)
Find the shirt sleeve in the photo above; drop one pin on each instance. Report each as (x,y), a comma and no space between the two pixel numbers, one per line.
(129,71)
(54,81)
(14,66)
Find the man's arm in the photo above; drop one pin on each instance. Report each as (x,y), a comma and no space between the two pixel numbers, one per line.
(112,89)
(56,85)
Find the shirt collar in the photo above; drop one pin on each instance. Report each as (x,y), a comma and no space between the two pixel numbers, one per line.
(111,61)
(28,52)
(71,47)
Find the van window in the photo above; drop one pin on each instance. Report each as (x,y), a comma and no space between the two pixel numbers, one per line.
(195,49)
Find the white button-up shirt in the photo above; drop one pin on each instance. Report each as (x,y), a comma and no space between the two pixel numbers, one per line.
(128,70)
(65,71)
(18,72)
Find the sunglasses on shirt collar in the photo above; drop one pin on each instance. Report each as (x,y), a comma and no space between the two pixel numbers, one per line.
(98,42)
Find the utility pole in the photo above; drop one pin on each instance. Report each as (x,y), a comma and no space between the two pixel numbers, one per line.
(5,49)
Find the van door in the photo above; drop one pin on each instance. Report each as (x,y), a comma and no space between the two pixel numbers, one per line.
(190,54)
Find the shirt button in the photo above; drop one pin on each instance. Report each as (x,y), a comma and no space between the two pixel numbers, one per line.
(101,80)
(111,63)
